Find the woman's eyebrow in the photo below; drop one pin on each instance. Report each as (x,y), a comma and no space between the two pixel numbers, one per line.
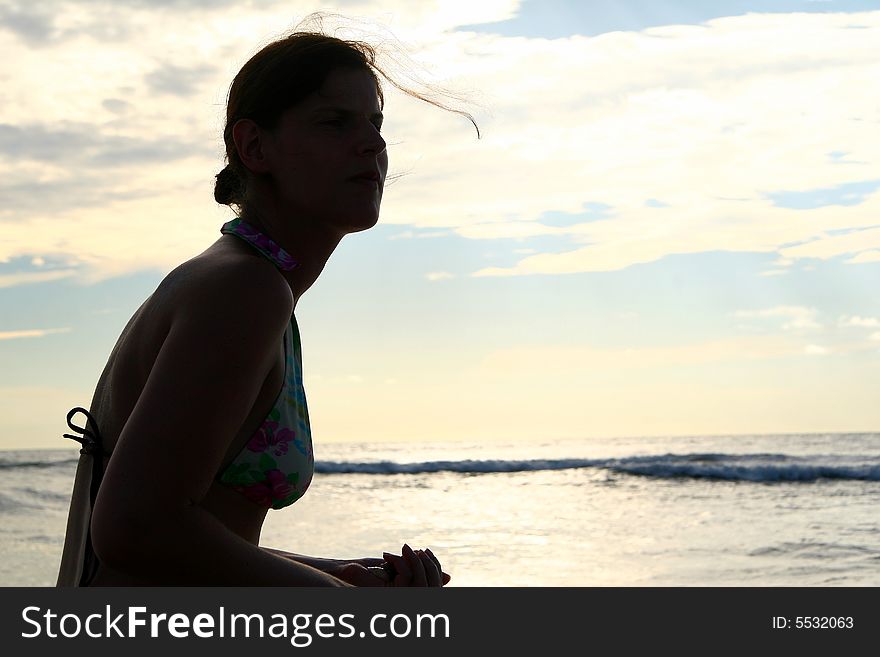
(376,116)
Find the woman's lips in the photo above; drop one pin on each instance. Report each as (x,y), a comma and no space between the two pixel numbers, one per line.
(366,181)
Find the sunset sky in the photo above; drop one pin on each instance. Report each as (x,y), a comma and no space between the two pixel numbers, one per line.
(671,224)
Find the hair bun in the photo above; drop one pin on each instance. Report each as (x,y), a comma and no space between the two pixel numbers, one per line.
(227,188)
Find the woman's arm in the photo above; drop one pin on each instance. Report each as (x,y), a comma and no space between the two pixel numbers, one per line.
(320,563)
(392,570)
(147,521)
(198,550)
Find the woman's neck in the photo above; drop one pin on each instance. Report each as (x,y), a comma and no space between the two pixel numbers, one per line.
(306,241)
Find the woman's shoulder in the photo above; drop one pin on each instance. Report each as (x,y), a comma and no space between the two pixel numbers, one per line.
(224,281)
(201,300)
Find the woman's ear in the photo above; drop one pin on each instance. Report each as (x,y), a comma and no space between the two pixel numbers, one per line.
(251,142)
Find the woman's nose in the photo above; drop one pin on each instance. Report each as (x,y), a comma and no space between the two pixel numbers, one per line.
(372,141)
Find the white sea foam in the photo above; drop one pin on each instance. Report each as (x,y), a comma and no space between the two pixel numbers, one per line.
(732,467)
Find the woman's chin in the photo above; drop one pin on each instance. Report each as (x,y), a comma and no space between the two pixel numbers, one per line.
(361,223)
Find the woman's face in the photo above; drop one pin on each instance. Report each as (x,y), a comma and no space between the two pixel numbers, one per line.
(324,150)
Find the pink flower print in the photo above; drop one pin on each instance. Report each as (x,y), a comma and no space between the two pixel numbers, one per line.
(276,487)
(244,230)
(281,488)
(283,258)
(268,437)
(257,493)
(262,439)
(280,441)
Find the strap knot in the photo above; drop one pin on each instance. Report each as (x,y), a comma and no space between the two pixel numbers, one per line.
(91,441)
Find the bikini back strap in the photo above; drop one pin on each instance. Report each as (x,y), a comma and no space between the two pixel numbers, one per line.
(90,440)
(93,446)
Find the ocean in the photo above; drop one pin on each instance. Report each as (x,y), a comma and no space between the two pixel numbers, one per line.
(762,510)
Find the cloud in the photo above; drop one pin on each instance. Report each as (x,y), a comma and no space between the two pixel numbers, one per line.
(800,318)
(865,256)
(855,320)
(411,234)
(706,123)
(439,276)
(558,18)
(654,203)
(696,119)
(50,170)
(116,105)
(508,230)
(778,311)
(39,25)
(27,278)
(30,333)
(26,197)
(177,4)
(82,145)
(851,193)
(827,246)
(799,323)
(566,359)
(404,235)
(180,80)
(34,24)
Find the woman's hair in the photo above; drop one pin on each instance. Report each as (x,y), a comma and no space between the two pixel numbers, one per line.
(278,77)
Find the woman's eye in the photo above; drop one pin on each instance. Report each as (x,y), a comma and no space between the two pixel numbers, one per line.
(336,122)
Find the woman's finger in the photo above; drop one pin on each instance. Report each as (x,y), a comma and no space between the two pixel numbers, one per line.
(404,572)
(444,576)
(419,578)
(434,559)
(432,573)
(380,573)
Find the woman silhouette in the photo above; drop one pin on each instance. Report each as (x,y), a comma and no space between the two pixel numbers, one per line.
(199,424)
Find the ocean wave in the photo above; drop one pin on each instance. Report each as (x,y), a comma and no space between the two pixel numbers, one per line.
(725,467)
(464,467)
(8,464)
(746,467)
(718,466)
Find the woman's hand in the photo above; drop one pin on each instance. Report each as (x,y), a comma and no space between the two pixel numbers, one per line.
(413,568)
(416,568)
(363,572)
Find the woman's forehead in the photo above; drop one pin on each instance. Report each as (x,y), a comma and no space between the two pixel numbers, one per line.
(348,86)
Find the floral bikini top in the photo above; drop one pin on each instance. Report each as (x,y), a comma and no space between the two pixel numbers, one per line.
(276,466)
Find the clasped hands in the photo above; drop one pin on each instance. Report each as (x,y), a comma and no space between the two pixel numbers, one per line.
(411,568)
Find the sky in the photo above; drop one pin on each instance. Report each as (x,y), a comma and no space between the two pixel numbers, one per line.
(669,226)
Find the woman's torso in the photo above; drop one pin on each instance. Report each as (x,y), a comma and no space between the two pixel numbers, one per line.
(129,366)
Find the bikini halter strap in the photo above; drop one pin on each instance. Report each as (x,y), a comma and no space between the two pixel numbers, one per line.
(262,243)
